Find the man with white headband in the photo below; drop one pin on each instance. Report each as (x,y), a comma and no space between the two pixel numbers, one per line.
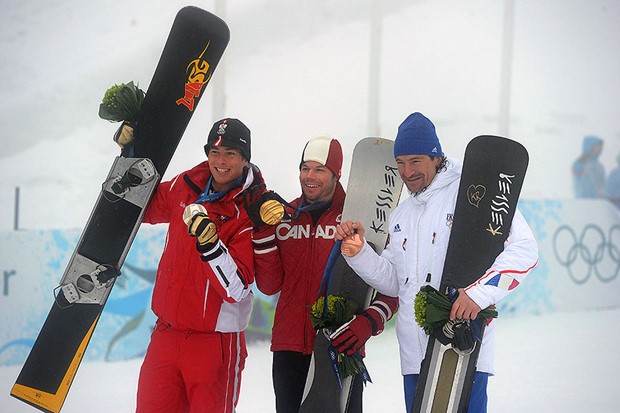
(290,259)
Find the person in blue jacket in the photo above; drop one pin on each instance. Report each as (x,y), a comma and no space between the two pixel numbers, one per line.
(588,171)
(612,187)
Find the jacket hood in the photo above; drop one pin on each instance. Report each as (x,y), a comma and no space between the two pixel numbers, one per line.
(442,179)
(589,142)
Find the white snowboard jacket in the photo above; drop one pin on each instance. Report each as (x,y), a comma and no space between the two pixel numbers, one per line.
(419,229)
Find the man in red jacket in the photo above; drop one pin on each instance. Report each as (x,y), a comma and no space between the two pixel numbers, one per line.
(290,258)
(202,294)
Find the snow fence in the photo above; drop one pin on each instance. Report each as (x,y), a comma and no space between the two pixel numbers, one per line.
(579,243)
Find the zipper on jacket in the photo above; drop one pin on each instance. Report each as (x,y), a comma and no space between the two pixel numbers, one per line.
(417,242)
(317,294)
(429,276)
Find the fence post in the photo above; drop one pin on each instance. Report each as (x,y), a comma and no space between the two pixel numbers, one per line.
(16,217)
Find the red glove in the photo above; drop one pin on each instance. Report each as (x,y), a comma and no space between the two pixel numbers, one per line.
(352,336)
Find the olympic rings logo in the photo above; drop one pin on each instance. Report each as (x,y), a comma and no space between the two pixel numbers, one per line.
(593,252)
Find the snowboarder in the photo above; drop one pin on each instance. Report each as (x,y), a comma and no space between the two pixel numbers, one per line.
(419,230)
(203,290)
(290,259)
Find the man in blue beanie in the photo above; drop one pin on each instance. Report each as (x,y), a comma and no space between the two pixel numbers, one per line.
(419,230)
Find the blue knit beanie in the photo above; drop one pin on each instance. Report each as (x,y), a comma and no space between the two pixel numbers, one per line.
(417,136)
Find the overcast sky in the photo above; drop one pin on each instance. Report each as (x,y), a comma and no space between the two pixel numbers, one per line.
(294,69)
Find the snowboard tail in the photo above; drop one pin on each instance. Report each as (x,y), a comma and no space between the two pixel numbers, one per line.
(491,181)
(373,191)
(194,47)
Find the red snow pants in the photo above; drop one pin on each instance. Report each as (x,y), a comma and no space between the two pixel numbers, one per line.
(191,372)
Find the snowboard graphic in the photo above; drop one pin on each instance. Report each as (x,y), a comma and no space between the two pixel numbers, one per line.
(493,173)
(194,47)
(373,191)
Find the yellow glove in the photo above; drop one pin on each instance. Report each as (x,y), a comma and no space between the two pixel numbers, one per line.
(199,225)
(124,134)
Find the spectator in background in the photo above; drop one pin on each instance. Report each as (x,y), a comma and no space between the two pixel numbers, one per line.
(588,171)
(612,188)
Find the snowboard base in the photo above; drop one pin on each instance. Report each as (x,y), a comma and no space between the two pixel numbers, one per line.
(447,373)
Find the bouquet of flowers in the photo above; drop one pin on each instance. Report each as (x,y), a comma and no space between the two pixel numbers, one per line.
(432,309)
(331,315)
(121,103)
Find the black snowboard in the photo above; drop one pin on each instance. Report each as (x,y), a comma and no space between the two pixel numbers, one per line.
(493,173)
(194,47)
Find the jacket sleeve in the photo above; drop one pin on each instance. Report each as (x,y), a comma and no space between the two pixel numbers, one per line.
(158,212)
(512,265)
(378,271)
(231,266)
(381,309)
(267,263)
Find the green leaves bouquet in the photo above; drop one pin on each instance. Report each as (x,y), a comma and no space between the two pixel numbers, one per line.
(432,309)
(331,315)
(121,103)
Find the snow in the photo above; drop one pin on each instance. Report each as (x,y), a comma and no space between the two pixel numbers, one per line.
(560,362)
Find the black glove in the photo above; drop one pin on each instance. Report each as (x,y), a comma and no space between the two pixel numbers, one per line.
(267,210)
(199,225)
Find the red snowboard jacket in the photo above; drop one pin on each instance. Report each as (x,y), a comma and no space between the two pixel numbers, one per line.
(196,295)
(294,268)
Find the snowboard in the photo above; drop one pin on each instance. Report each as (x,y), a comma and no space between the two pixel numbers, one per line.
(373,191)
(192,51)
(493,173)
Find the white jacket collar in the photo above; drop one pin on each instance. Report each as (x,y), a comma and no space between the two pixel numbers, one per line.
(442,179)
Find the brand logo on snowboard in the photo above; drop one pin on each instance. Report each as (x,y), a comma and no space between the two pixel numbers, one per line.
(500,205)
(385,200)
(198,75)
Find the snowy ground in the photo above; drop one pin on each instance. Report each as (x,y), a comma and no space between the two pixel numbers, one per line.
(560,362)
